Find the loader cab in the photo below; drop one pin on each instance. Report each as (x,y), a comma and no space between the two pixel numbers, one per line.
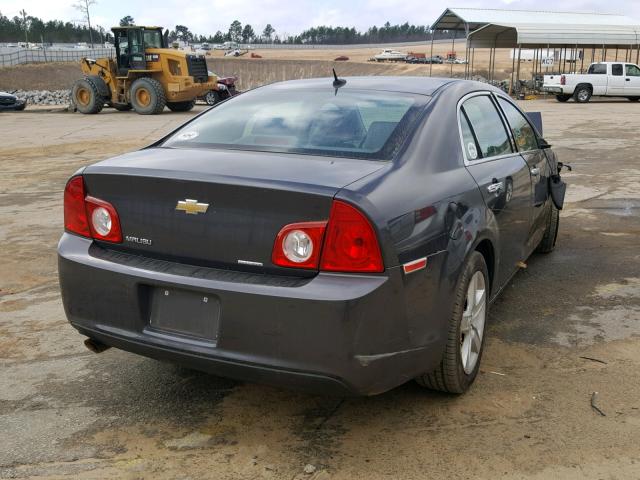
(131,42)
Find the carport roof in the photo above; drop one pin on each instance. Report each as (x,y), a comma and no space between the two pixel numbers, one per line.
(510,35)
(487,27)
(470,19)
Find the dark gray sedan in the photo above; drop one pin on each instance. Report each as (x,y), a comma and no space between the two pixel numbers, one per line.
(329,235)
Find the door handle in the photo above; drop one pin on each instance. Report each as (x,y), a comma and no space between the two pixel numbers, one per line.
(627,79)
(535,171)
(495,187)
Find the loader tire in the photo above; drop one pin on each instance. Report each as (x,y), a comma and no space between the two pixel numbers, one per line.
(86,97)
(181,106)
(147,96)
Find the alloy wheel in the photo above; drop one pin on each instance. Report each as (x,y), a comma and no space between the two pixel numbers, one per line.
(473,321)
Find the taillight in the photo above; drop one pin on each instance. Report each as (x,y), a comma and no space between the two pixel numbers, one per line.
(563,80)
(350,244)
(75,213)
(89,216)
(299,245)
(346,243)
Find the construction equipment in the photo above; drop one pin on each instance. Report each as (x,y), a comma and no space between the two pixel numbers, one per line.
(145,76)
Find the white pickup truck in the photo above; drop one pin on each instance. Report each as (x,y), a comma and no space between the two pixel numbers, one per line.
(607,79)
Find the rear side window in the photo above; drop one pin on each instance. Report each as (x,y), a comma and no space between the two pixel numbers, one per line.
(522,130)
(598,69)
(487,127)
(616,69)
(633,71)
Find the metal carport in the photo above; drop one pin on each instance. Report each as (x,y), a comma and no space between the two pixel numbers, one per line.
(564,33)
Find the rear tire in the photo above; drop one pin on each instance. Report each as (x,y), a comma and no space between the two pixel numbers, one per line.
(457,371)
(563,98)
(147,96)
(181,106)
(582,94)
(86,97)
(548,242)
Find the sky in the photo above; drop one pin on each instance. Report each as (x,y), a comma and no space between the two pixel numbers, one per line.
(290,17)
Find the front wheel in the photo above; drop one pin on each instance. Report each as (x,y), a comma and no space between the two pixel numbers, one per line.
(465,340)
(86,97)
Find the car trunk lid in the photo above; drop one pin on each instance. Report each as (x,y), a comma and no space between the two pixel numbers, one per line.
(214,207)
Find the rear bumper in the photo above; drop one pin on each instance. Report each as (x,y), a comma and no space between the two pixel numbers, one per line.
(549,89)
(338,333)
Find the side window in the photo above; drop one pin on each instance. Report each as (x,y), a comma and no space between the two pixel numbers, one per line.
(597,69)
(616,69)
(523,132)
(487,126)
(633,71)
(469,143)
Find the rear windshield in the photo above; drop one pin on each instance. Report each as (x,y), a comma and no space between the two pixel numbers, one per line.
(347,123)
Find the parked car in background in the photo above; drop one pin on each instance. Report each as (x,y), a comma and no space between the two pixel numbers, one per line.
(390,55)
(312,233)
(8,101)
(435,59)
(607,79)
(226,89)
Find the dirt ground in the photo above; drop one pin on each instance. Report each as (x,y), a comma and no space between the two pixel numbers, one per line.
(567,326)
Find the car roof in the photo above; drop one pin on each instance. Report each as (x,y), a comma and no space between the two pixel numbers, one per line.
(417,85)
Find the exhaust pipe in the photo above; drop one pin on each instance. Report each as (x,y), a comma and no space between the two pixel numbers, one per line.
(95,346)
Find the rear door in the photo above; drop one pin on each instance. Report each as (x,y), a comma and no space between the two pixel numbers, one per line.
(616,80)
(526,142)
(632,80)
(501,174)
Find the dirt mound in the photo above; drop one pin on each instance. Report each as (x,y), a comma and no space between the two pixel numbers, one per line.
(255,72)
(39,76)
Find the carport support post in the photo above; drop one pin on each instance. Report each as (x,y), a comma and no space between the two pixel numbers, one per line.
(433,32)
(453,48)
(513,69)
(518,71)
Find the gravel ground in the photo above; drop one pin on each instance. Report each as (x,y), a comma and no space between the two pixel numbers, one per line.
(565,327)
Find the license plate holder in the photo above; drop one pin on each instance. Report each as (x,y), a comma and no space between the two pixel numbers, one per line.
(184,312)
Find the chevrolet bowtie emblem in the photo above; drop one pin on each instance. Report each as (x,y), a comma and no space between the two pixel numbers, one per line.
(191,207)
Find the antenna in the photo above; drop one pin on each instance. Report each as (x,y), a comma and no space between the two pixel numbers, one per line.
(337,82)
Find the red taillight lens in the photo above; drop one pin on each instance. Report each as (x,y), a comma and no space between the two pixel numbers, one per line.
(350,243)
(75,213)
(563,80)
(88,216)
(298,245)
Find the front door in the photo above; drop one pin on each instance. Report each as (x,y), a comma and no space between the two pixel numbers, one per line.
(632,81)
(502,176)
(526,141)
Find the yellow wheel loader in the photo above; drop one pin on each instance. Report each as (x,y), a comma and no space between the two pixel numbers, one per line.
(145,75)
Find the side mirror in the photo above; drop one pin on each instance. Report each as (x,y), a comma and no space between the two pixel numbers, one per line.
(542,143)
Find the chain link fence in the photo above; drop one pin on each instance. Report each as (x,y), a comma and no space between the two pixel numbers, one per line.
(46,55)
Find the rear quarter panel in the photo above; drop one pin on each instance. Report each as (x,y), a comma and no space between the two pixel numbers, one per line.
(426,204)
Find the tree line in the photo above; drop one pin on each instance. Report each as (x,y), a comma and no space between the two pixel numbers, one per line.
(56,31)
(28,28)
